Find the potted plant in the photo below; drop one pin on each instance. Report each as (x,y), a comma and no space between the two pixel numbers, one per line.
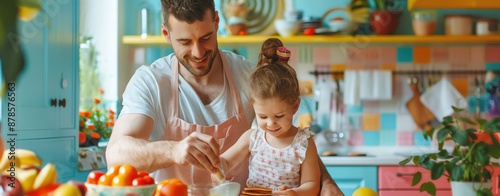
(384,19)
(471,145)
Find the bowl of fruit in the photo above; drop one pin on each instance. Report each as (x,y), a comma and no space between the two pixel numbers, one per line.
(120,180)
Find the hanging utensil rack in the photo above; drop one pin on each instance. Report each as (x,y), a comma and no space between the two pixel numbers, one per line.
(415,72)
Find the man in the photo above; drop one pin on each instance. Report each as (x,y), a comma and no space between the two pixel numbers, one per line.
(185,109)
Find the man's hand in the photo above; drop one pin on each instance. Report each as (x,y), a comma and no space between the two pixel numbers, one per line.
(199,150)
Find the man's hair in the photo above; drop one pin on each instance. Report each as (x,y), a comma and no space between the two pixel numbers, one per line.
(186,10)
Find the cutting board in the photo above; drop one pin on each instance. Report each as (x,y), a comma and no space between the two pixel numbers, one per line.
(420,114)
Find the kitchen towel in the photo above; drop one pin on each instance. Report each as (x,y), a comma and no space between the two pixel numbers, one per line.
(365,84)
(440,97)
(351,88)
(382,85)
(375,85)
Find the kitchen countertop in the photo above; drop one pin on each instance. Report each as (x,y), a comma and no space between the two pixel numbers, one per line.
(375,155)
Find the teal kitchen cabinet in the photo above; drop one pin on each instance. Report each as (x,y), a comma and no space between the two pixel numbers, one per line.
(43,102)
(350,178)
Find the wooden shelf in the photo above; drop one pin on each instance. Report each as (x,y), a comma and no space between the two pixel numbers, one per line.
(327,39)
(453,4)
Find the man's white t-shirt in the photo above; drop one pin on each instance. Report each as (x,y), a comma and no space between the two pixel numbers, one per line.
(148,93)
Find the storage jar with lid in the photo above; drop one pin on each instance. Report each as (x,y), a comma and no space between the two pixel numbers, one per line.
(458,24)
(487,26)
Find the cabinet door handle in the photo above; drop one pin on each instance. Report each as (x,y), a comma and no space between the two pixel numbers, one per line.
(62,103)
(53,102)
(404,174)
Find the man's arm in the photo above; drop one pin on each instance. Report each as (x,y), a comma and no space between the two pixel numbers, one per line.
(129,144)
(328,185)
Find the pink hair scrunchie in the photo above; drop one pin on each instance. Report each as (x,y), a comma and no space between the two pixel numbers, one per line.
(283,53)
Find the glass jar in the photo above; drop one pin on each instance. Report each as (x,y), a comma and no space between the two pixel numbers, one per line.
(424,22)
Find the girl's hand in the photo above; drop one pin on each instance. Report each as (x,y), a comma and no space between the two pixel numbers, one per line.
(283,190)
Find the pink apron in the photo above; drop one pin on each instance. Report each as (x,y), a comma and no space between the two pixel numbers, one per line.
(226,133)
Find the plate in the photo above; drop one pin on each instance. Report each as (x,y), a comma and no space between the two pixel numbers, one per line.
(260,19)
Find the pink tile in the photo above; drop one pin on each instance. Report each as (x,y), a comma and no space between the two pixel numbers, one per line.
(321,55)
(354,55)
(294,58)
(492,54)
(477,55)
(338,56)
(404,138)
(459,55)
(371,54)
(439,54)
(387,55)
(356,138)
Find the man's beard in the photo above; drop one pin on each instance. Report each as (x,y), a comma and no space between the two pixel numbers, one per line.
(196,72)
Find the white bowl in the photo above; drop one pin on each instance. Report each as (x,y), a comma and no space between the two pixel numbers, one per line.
(286,28)
(100,190)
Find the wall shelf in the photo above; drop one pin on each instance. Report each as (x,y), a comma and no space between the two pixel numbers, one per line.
(455,4)
(332,39)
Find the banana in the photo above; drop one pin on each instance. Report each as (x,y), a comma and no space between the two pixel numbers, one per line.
(46,177)
(9,161)
(31,160)
(27,178)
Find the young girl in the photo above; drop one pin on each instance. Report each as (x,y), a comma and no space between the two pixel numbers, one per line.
(282,156)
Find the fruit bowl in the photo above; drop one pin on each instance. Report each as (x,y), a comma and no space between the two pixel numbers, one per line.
(100,190)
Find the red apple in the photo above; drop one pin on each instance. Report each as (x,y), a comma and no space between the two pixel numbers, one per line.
(10,186)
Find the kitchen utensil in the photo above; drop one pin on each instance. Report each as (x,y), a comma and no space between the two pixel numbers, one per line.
(420,114)
(345,25)
(260,19)
(336,134)
(314,127)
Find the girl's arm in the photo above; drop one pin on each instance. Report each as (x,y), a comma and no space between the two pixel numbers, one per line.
(309,174)
(236,153)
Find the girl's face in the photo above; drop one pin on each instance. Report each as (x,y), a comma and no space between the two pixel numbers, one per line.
(274,115)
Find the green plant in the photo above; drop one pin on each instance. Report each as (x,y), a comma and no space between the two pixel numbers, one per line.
(474,142)
(387,5)
(96,122)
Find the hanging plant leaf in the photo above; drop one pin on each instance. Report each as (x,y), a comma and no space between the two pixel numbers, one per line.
(11,55)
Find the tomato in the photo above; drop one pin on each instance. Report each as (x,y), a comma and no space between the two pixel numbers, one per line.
(149,180)
(309,31)
(114,170)
(171,187)
(142,173)
(128,170)
(94,176)
(106,179)
(139,181)
(122,180)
